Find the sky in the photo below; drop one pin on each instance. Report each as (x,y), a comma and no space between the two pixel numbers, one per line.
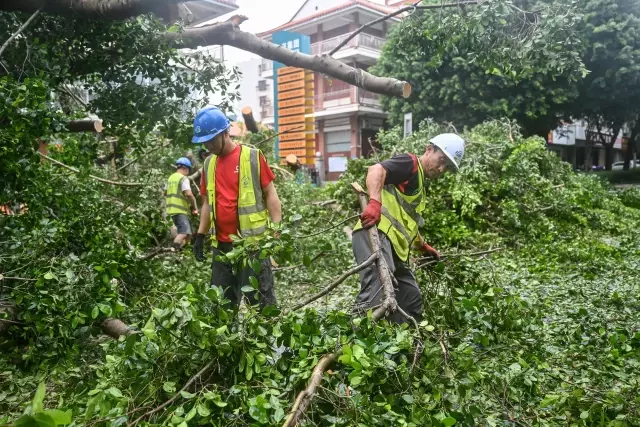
(263,15)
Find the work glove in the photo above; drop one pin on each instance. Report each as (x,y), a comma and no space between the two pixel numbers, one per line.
(198,247)
(371,214)
(428,250)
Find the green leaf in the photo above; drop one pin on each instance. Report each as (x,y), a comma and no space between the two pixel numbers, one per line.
(203,411)
(169,386)
(185,394)
(26,421)
(584,415)
(44,420)
(49,276)
(306,260)
(95,312)
(356,380)
(254,282)
(115,392)
(407,398)
(38,398)
(449,421)
(59,417)
(247,289)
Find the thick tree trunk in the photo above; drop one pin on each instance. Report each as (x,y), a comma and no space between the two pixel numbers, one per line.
(85,125)
(631,145)
(228,33)
(90,9)
(115,328)
(249,120)
(608,156)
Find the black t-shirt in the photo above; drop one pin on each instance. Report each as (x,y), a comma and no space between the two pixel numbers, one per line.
(402,171)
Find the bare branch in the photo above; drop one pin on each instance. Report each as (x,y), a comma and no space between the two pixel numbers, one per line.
(97,178)
(228,33)
(21,29)
(304,398)
(175,396)
(339,280)
(329,228)
(293,267)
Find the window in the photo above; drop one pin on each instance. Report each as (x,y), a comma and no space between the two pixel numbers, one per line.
(262,85)
(339,141)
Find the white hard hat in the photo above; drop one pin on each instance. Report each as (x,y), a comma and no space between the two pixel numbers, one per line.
(452,146)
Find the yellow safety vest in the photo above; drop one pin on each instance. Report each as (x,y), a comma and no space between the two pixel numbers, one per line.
(176,202)
(401,216)
(253,217)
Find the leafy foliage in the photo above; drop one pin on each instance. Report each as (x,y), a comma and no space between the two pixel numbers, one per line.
(486,61)
(544,331)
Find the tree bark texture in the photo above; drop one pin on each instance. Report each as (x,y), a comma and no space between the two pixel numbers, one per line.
(115,328)
(89,9)
(85,125)
(227,33)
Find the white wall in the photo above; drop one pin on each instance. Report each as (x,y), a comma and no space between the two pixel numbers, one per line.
(248,92)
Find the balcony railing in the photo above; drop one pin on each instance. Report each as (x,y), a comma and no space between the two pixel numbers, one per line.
(266,111)
(265,65)
(353,95)
(361,40)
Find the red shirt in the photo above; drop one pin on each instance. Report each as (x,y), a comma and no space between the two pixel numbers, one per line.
(227,187)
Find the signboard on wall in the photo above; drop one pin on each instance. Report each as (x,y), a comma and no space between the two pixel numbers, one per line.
(293,94)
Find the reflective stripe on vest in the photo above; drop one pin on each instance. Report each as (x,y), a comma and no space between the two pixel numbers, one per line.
(401,217)
(176,202)
(252,215)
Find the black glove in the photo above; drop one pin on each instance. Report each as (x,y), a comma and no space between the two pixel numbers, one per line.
(198,247)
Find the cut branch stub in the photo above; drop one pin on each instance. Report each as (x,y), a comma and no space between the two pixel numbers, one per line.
(85,125)
(249,120)
(115,328)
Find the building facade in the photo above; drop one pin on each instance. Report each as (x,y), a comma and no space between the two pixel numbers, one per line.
(347,118)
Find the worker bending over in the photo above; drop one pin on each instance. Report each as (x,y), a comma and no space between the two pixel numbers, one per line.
(396,200)
(238,198)
(179,199)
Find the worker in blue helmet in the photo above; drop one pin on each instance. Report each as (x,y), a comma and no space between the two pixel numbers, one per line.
(180,201)
(239,199)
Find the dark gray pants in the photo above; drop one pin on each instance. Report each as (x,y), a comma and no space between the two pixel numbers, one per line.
(407,292)
(231,278)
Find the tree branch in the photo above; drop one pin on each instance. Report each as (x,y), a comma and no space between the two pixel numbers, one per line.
(97,178)
(228,33)
(126,165)
(155,253)
(339,280)
(304,398)
(88,9)
(85,125)
(21,29)
(175,396)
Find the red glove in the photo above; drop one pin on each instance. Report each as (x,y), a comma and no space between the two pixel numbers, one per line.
(371,214)
(426,249)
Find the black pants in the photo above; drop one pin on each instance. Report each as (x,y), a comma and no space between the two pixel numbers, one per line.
(407,292)
(231,278)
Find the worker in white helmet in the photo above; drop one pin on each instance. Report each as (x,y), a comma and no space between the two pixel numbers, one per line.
(396,201)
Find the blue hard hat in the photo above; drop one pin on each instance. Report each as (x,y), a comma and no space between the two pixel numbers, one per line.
(183,161)
(209,123)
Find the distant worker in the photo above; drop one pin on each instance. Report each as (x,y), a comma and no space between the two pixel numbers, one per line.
(180,200)
(239,198)
(396,201)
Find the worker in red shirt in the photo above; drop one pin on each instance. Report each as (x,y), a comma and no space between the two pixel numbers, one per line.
(239,199)
(397,199)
